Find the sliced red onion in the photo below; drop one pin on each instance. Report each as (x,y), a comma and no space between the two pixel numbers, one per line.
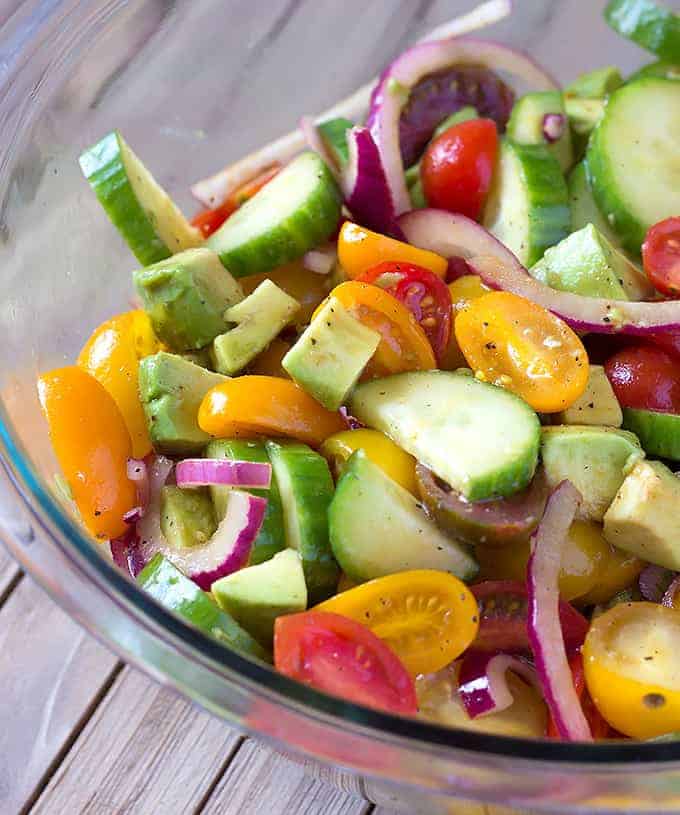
(138,473)
(545,632)
(230,547)
(320,261)
(671,592)
(482,681)
(150,539)
(457,236)
(133,515)
(364,183)
(392,92)
(316,143)
(203,472)
(120,548)
(553,126)
(351,421)
(654,581)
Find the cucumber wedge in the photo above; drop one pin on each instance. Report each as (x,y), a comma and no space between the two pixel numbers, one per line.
(659,433)
(306,487)
(295,212)
(378,528)
(663,68)
(334,135)
(144,214)
(271,538)
(648,24)
(528,204)
(480,439)
(633,158)
(526,124)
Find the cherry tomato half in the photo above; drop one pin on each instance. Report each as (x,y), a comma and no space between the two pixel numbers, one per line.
(340,656)
(423,293)
(457,167)
(661,256)
(645,377)
(598,726)
(519,345)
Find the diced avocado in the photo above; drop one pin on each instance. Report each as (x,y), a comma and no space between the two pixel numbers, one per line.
(171,389)
(643,517)
(600,82)
(583,263)
(257,595)
(186,296)
(659,433)
(594,459)
(201,357)
(187,516)
(330,355)
(271,537)
(259,318)
(527,124)
(164,581)
(597,405)
(583,114)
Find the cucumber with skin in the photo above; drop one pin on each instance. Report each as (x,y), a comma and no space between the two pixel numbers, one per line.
(663,68)
(633,158)
(334,135)
(480,439)
(296,211)
(525,125)
(306,488)
(378,528)
(528,204)
(144,214)
(647,23)
(659,433)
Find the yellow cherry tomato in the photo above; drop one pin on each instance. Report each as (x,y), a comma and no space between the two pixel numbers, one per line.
(360,249)
(463,290)
(268,363)
(250,406)
(617,571)
(308,288)
(632,668)
(380,449)
(111,356)
(404,345)
(512,342)
(428,618)
(92,445)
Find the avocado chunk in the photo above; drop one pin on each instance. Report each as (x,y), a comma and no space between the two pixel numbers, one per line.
(600,82)
(171,389)
(186,296)
(257,595)
(201,357)
(259,318)
(597,405)
(643,517)
(187,516)
(659,433)
(164,581)
(594,459)
(527,124)
(330,355)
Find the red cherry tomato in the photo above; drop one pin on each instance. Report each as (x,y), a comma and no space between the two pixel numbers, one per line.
(421,291)
(457,167)
(210,220)
(661,256)
(669,341)
(340,656)
(646,377)
(598,726)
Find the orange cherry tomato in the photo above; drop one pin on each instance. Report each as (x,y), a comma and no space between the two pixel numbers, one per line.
(92,445)
(519,345)
(250,406)
(308,288)
(268,363)
(404,345)
(111,355)
(360,249)
(462,290)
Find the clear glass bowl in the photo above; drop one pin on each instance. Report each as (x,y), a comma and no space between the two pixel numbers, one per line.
(194,85)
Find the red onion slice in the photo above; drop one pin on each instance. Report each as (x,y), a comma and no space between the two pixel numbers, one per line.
(150,539)
(316,143)
(654,581)
(203,472)
(138,473)
(545,633)
(457,236)
(320,261)
(351,421)
(553,126)
(483,686)
(670,594)
(391,93)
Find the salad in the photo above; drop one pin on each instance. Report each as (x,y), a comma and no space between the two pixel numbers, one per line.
(399,410)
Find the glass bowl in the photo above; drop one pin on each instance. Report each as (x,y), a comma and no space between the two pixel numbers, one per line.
(193,85)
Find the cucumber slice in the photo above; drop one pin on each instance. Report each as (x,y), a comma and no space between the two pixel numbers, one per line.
(480,439)
(334,135)
(306,489)
(528,204)
(659,433)
(663,68)
(633,158)
(271,538)
(144,214)
(525,125)
(172,589)
(378,528)
(296,211)
(646,23)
